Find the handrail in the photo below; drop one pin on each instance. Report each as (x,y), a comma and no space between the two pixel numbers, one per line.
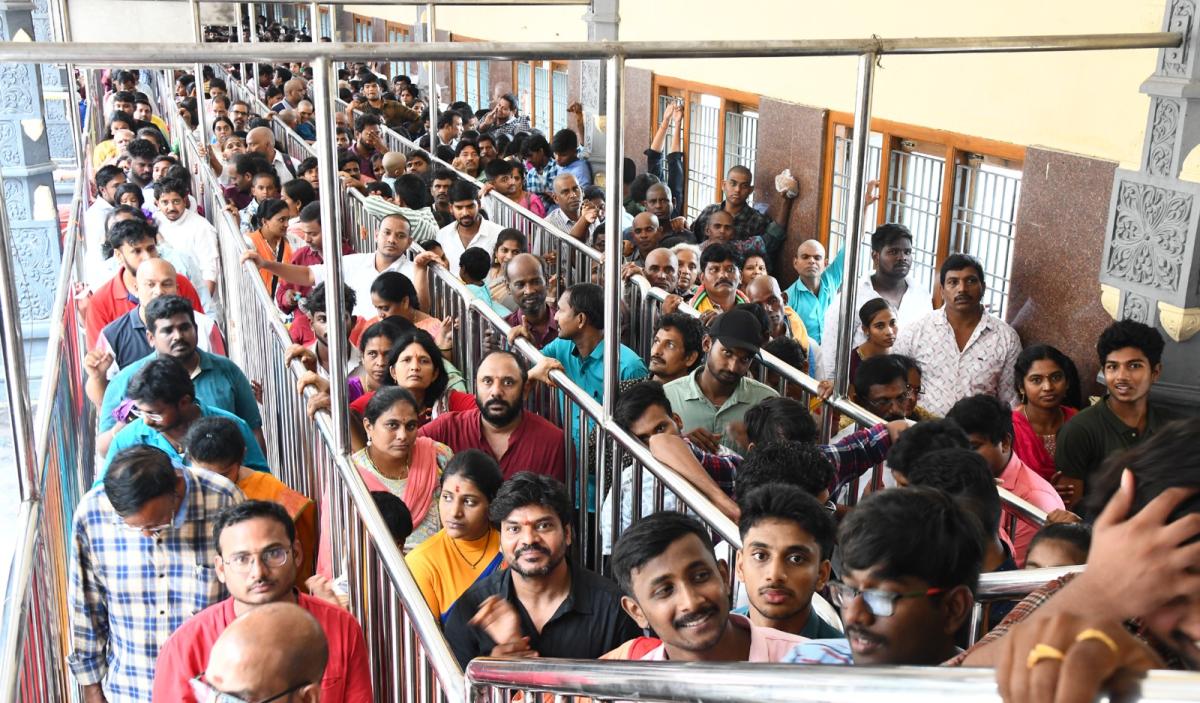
(765,683)
(158,54)
(436,650)
(1007,585)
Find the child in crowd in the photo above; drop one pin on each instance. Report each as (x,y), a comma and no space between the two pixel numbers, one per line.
(474,265)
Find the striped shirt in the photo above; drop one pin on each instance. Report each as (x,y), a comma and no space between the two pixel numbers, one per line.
(130,592)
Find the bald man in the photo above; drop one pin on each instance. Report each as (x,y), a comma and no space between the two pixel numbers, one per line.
(647,234)
(748,222)
(784,321)
(261,140)
(124,340)
(251,660)
(661,269)
(528,286)
(394,164)
(816,286)
(293,93)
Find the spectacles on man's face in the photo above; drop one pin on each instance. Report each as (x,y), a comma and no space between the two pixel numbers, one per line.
(272,558)
(206,693)
(147,416)
(881,603)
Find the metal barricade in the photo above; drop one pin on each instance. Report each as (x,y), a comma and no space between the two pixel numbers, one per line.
(666,682)
(36,634)
(410,659)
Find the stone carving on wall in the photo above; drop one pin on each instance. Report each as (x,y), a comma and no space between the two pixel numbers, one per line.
(10,143)
(17,96)
(1149,234)
(35,270)
(1163,128)
(1180,16)
(17,199)
(1137,308)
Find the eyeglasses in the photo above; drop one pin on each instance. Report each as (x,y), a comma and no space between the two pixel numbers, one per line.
(154,531)
(205,693)
(272,558)
(148,417)
(879,602)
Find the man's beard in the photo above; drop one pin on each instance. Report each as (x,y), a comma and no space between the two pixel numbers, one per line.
(499,418)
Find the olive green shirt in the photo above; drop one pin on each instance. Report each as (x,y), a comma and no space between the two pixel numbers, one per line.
(696,410)
(1095,433)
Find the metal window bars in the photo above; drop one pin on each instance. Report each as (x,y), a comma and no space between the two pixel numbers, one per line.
(361,530)
(984,222)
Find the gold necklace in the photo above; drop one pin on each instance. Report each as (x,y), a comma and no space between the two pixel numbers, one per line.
(474,564)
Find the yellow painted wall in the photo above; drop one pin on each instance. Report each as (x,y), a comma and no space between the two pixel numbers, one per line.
(1086,103)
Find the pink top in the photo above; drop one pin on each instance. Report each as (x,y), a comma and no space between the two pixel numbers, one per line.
(1026,483)
(1028,445)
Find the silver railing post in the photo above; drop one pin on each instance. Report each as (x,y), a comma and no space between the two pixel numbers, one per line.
(16,380)
(854,220)
(240,33)
(97,120)
(613,286)
(325,81)
(60,27)
(431,98)
(314,10)
(201,121)
(253,21)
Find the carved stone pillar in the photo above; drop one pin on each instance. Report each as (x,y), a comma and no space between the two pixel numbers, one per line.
(57,92)
(1150,270)
(27,171)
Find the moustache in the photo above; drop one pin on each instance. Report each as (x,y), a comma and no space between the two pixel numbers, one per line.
(531,548)
(693,618)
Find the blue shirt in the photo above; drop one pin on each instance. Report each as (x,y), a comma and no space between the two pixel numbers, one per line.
(485,295)
(137,432)
(811,308)
(581,169)
(588,372)
(219,383)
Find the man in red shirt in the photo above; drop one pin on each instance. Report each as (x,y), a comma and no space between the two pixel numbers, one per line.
(256,560)
(499,425)
(132,242)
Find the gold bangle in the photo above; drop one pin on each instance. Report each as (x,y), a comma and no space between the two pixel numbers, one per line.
(1093,634)
(1041,652)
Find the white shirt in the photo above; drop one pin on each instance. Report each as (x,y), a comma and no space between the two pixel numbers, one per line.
(452,244)
(193,235)
(985,364)
(281,168)
(358,272)
(94,270)
(916,304)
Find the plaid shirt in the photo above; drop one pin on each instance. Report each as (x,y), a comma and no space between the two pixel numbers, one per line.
(857,454)
(519,123)
(1023,610)
(130,592)
(746,224)
(541,182)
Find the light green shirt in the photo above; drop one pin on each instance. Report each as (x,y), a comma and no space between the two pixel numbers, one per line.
(696,410)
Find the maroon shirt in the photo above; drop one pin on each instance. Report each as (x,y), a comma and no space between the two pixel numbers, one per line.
(541,337)
(536,445)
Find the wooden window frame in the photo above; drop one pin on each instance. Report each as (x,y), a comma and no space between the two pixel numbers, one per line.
(483,66)
(954,150)
(406,32)
(363,21)
(731,101)
(531,112)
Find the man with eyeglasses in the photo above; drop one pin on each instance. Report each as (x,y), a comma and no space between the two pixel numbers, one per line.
(910,563)
(305,124)
(251,662)
(239,114)
(257,556)
(139,568)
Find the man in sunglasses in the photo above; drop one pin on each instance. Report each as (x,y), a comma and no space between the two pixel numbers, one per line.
(257,555)
(142,542)
(910,563)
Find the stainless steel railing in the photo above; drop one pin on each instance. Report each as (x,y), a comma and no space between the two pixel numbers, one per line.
(36,633)
(666,682)
(410,659)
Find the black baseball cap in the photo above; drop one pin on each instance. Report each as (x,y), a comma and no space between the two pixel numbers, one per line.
(737,329)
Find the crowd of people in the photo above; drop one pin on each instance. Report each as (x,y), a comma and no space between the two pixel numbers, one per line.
(189,554)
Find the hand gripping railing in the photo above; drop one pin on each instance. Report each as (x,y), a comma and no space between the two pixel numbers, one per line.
(36,634)
(410,659)
(702,682)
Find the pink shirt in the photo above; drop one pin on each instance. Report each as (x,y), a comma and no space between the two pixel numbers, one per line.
(185,655)
(767,645)
(1025,483)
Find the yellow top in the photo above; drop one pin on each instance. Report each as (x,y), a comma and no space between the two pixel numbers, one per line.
(444,567)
